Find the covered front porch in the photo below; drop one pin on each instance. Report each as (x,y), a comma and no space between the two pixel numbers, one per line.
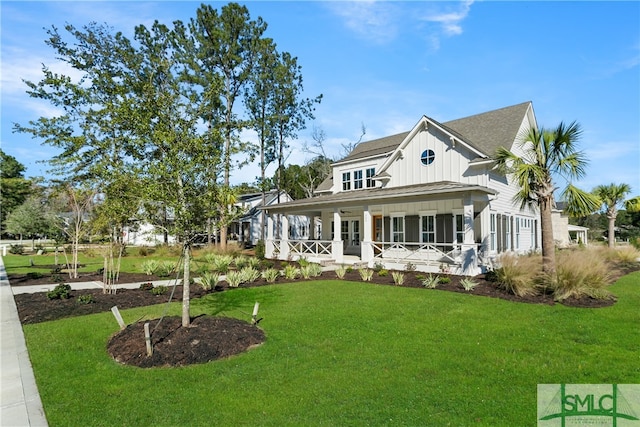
(430,228)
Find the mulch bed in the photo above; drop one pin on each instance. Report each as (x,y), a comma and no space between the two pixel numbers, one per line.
(208,338)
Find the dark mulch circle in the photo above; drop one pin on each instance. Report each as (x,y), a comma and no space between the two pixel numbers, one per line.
(207,338)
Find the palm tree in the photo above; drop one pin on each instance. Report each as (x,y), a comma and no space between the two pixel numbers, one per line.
(545,153)
(611,196)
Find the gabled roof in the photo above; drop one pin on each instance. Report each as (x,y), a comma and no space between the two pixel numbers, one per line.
(484,132)
(375,147)
(491,130)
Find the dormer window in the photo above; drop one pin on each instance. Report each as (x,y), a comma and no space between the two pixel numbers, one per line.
(357,179)
(346,181)
(427,157)
(370,174)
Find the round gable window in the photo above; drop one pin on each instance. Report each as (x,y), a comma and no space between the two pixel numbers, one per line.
(427,157)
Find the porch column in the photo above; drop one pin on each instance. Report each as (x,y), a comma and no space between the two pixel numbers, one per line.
(337,251)
(284,242)
(268,244)
(469,249)
(366,250)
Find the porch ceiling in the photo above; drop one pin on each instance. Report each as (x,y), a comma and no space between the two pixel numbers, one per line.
(408,193)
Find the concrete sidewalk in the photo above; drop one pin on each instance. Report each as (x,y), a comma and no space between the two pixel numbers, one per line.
(20,403)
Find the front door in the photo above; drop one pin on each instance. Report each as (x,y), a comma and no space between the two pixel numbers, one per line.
(376,231)
(350,235)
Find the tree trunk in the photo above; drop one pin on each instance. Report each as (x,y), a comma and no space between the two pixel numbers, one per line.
(612,230)
(548,244)
(186,318)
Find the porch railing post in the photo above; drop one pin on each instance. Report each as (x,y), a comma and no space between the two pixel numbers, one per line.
(284,244)
(268,244)
(469,257)
(366,249)
(337,244)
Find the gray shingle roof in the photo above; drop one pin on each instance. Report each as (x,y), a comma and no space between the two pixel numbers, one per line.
(491,130)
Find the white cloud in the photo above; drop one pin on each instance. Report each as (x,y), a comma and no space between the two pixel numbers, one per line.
(372,20)
(450,20)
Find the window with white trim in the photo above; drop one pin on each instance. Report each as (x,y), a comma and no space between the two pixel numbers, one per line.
(428,229)
(370,173)
(492,234)
(344,231)
(397,229)
(346,181)
(459,228)
(355,233)
(357,180)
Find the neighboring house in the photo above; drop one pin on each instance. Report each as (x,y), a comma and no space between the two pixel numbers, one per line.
(429,197)
(565,234)
(248,230)
(142,233)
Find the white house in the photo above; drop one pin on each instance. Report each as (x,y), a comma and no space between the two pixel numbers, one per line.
(430,197)
(249,229)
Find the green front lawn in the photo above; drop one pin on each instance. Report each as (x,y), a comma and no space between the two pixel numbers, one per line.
(22,264)
(345,353)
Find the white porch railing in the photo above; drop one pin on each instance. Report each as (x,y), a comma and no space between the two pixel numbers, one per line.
(318,248)
(423,252)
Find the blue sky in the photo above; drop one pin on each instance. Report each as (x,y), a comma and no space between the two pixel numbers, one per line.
(384,64)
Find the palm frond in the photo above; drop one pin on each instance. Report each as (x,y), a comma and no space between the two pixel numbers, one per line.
(579,202)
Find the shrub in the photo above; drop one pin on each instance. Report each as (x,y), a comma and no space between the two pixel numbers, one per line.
(159,290)
(145,251)
(165,268)
(468,283)
(491,276)
(146,286)
(420,277)
(383,273)
(150,267)
(234,279)
(208,280)
(290,272)
(241,261)
(627,255)
(431,282)
(86,299)
(270,275)
(302,262)
(249,274)
(34,275)
(378,266)
(444,280)
(398,277)
(260,250)
(254,262)
(341,271)
(221,263)
(365,274)
(16,249)
(311,269)
(578,276)
(56,278)
(517,275)
(61,291)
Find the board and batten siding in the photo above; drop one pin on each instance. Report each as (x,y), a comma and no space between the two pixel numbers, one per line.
(450,163)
